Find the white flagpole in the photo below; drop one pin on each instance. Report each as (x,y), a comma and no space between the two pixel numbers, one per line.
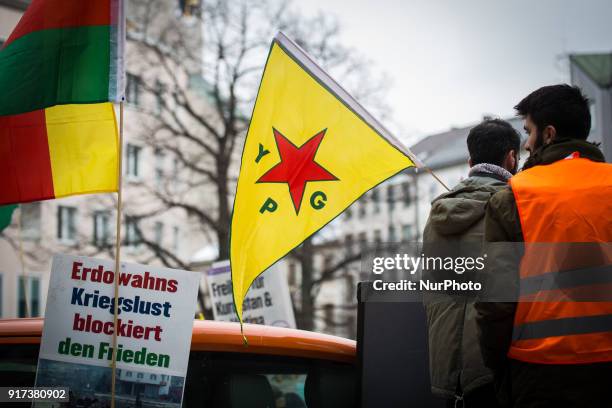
(117,254)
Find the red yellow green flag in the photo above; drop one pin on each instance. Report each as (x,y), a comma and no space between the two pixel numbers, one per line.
(6,215)
(58,151)
(58,68)
(311,150)
(62,52)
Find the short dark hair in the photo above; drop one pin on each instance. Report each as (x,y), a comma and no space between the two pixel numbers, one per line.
(562,106)
(491,140)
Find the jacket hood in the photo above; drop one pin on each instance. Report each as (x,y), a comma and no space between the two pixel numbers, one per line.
(456,211)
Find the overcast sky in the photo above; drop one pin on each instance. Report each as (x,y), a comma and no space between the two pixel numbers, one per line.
(453,61)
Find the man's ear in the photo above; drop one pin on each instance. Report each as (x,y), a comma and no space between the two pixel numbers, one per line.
(510,161)
(549,134)
(470,162)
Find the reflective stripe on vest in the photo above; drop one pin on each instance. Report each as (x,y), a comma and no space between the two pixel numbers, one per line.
(566,202)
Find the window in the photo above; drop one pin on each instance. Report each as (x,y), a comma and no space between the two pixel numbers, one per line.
(363,240)
(153,377)
(66,224)
(406,233)
(350,288)
(593,110)
(159,232)
(391,196)
(132,167)
(159,167)
(18,364)
(189,7)
(160,89)
(175,239)
(30,221)
(292,272)
(376,200)
(132,89)
(34,297)
(263,378)
(175,169)
(392,237)
(21,297)
(101,233)
(348,213)
(406,194)
(329,312)
(349,244)
(28,296)
(267,380)
(362,208)
(328,261)
(377,238)
(132,232)
(139,375)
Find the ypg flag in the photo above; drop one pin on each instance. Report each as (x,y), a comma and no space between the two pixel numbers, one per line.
(311,150)
(58,68)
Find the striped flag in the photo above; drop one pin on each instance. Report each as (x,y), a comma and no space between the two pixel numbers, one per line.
(6,216)
(59,69)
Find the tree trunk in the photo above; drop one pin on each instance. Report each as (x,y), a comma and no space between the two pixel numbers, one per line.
(224,218)
(306,318)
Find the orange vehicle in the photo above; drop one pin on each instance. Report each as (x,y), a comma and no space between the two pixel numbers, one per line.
(280,367)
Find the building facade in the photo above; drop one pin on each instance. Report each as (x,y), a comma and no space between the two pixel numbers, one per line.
(152,232)
(593,74)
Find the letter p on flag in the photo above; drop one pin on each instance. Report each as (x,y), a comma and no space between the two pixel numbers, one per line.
(319,142)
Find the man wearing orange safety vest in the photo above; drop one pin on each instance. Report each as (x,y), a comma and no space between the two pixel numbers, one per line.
(553,348)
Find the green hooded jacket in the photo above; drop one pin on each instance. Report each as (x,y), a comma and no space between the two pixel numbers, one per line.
(456,365)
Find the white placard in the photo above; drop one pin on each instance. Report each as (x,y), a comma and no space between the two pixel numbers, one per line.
(156,312)
(267,302)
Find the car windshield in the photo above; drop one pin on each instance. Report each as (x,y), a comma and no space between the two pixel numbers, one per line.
(214,379)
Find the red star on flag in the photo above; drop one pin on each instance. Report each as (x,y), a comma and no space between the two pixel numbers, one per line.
(297,166)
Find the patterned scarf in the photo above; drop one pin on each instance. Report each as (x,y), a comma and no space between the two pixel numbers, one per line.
(490,169)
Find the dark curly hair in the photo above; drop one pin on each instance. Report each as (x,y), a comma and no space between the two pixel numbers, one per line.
(562,106)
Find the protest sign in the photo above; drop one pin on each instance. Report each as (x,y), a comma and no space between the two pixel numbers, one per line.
(155,309)
(267,302)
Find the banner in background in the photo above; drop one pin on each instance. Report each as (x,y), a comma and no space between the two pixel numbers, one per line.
(156,308)
(267,301)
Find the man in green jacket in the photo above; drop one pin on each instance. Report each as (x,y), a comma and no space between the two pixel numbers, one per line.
(457,217)
(557,121)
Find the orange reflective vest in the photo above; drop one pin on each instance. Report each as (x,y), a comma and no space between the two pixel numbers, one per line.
(565,210)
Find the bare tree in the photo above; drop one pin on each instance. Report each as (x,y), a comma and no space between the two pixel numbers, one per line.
(202,111)
(201,73)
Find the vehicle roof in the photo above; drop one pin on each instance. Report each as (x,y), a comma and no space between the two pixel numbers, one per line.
(224,337)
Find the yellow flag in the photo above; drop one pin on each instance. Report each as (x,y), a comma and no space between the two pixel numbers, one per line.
(311,151)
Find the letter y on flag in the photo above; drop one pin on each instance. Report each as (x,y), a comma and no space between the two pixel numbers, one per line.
(311,151)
